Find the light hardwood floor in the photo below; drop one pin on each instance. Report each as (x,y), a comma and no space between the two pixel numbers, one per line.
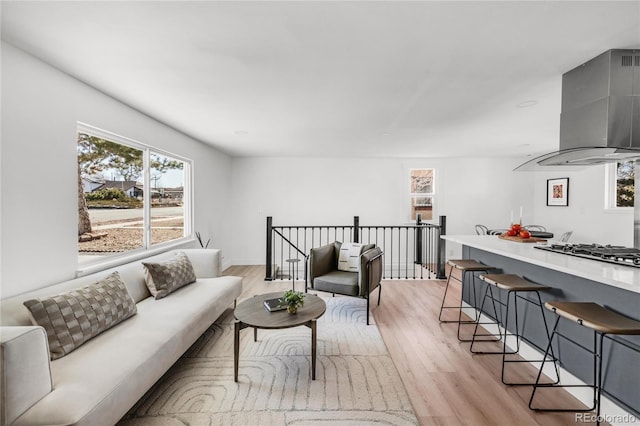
(447,384)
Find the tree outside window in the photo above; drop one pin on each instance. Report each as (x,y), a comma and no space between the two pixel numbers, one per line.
(167,198)
(624,184)
(129,197)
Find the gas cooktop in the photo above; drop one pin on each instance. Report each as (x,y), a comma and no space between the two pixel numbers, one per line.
(618,255)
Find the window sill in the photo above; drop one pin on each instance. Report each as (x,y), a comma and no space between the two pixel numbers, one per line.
(90,267)
(618,210)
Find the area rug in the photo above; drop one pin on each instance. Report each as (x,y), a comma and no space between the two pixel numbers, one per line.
(356,380)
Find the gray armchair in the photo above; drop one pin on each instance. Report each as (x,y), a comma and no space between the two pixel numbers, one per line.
(324,274)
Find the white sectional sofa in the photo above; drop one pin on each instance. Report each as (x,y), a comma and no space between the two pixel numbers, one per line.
(97,383)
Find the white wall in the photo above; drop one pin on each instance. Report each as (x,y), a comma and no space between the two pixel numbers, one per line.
(330,191)
(40,109)
(586,215)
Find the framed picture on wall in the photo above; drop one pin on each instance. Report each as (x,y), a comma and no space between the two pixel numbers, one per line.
(558,192)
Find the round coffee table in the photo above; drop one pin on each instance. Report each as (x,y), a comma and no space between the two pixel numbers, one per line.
(252,313)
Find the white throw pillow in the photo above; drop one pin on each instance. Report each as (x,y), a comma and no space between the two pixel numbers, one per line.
(349,259)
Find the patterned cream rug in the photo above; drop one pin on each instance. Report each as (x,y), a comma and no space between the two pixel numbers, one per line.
(356,380)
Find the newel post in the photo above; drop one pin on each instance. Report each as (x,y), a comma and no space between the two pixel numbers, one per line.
(356,229)
(269,261)
(418,238)
(441,255)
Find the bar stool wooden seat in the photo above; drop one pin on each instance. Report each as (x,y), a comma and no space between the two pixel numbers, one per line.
(514,285)
(464,266)
(604,323)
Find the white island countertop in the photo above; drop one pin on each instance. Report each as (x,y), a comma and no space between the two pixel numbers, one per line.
(624,277)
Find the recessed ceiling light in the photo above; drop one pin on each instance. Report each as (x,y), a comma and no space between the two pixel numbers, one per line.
(241,133)
(527,104)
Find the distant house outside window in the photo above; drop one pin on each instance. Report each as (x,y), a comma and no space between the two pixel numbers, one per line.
(621,177)
(131,196)
(421,193)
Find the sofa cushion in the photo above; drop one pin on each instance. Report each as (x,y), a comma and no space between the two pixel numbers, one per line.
(338,282)
(72,318)
(168,276)
(348,259)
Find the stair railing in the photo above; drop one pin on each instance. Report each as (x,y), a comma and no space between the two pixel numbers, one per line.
(411,251)
(298,252)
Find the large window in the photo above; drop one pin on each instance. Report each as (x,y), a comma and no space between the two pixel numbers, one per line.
(621,184)
(421,193)
(131,196)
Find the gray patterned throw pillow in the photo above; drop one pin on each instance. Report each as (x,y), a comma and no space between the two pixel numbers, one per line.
(166,277)
(76,316)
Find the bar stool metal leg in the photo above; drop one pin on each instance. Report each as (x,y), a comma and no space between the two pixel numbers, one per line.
(465,266)
(514,286)
(459,307)
(604,323)
(537,384)
(475,303)
(446,290)
(519,337)
(488,292)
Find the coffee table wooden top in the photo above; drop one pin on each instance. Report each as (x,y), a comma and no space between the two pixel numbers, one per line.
(253,313)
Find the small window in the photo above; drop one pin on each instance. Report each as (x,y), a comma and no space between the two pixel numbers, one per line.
(621,184)
(130,196)
(421,193)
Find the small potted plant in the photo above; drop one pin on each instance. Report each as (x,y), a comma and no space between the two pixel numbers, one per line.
(293,300)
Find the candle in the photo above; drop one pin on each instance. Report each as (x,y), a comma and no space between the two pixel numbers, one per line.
(520,215)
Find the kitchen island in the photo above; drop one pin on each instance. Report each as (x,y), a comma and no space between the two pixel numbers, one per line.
(619,276)
(574,279)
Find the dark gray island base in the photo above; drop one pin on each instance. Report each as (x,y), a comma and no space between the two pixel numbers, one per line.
(621,365)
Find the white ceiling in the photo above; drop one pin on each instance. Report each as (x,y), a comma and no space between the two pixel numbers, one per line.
(332,78)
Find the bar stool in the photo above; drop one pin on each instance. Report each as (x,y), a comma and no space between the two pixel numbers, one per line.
(463,265)
(514,285)
(603,322)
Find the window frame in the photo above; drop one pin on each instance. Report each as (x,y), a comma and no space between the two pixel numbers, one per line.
(611,189)
(107,261)
(413,195)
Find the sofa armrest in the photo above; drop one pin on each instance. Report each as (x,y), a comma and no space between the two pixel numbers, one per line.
(206,262)
(25,370)
(371,264)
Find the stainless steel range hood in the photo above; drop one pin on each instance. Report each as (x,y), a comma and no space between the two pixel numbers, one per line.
(600,116)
